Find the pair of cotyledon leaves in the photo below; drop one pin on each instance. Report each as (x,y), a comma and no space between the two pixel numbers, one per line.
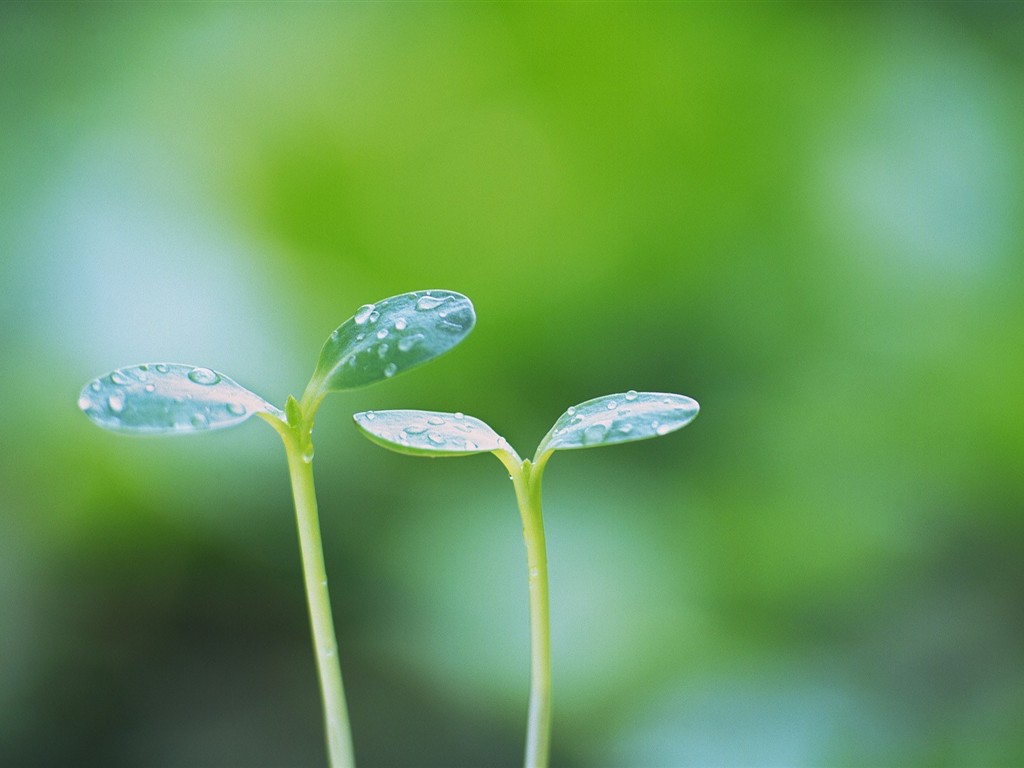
(378,342)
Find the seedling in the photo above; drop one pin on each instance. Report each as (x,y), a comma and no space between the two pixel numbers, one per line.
(601,421)
(380,341)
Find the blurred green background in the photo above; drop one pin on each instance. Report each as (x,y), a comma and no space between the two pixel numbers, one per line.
(808,217)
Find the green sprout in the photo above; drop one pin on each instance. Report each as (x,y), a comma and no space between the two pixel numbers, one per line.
(601,421)
(380,341)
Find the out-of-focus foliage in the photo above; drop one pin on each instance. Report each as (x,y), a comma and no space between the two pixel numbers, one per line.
(810,218)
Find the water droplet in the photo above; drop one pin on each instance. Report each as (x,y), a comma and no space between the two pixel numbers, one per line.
(664,429)
(430,302)
(118,378)
(143,367)
(612,405)
(625,428)
(382,333)
(360,336)
(236,409)
(435,420)
(116,403)
(390,370)
(363,314)
(594,433)
(307,453)
(95,386)
(199,420)
(161,368)
(448,325)
(382,350)
(631,395)
(150,388)
(203,376)
(577,419)
(666,400)
(435,438)
(416,430)
(404,345)
(460,415)
(534,572)
(85,403)
(374,315)
(401,324)
(571,410)
(470,445)
(654,424)
(370,415)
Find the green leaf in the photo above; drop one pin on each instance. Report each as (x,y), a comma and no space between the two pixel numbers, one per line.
(381,340)
(168,398)
(619,419)
(429,433)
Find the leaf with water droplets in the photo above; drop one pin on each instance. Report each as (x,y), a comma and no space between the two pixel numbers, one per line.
(391,336)
(168,398)
(429,433)
(619,419)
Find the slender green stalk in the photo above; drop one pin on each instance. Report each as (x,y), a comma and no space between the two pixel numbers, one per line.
(538,733)
(325,645)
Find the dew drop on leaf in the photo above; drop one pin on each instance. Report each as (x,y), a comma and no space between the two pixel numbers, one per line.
(118,378)
(390,370)
(401,324)
(203,376)
(631,395)
(437,421)
(430,302)
(611,405)
(116,403)
(363,314)
(435,438)
(594,433)
(404,345)
(236,409)
(382,333)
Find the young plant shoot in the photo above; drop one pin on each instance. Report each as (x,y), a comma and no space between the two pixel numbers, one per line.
(601,421)
(380,341)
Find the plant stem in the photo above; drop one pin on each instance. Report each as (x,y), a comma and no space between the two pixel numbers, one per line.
(538,733)
(325,646)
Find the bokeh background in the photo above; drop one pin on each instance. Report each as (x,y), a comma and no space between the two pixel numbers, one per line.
(808,217)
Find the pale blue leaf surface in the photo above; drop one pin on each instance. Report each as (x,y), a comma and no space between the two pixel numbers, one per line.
(168,398)
(429,433)
(618,419)
(381,340)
